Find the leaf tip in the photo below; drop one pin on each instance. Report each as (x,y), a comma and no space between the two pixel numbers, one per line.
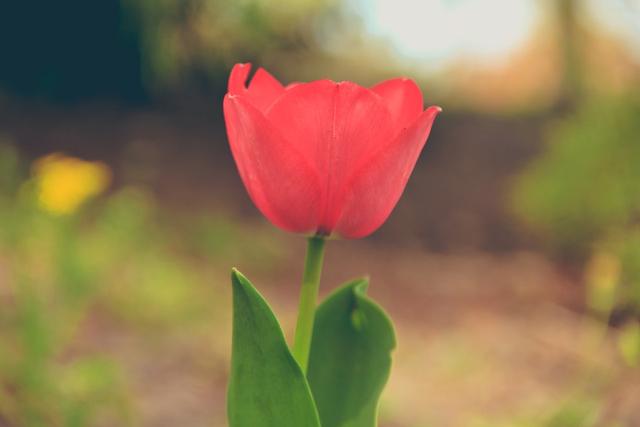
(237,278)
(361,286)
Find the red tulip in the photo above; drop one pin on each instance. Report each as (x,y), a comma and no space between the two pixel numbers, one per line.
(325,157)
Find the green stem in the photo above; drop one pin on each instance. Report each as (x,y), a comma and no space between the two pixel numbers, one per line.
(308,295)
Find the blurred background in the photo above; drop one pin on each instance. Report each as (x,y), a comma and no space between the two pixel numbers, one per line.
(511,265)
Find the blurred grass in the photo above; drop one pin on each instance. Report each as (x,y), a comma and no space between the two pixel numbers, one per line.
(116,257)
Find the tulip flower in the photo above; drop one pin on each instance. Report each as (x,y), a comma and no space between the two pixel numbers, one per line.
(325,158)
(322,159)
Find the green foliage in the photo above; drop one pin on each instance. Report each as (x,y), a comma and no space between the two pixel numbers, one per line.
(47,289)
(267,387)
(183,39)
(583,195)
(89,383)
(36,389)
(629,344)
(130,247)
(577,411)
(350,357)
(10,169)
(626,245)
(217,237)
(349,363)
(587,182)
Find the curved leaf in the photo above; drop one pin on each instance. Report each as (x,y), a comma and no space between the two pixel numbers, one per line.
(267,387)
(350,357)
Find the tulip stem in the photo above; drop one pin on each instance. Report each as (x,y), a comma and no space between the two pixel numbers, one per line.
(308,296)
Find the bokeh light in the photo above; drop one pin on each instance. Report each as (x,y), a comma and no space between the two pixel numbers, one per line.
(437,32)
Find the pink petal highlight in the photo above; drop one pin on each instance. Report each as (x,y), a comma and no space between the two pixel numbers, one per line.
(404,100)
(279,179)
(374,190)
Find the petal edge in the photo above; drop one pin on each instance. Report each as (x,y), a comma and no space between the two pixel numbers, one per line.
(403,97)
(374,190)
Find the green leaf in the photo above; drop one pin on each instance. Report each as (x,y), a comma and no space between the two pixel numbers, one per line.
(267,387)
(350,357)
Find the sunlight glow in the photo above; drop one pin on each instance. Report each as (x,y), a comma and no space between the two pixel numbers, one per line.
(621,17)
(443,30)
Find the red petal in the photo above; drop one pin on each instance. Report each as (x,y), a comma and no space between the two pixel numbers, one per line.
(403,98)
(238,79)
(278,178)
(374,190)
(336,125)
(263,89)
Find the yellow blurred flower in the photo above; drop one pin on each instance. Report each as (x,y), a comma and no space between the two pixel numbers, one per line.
(63,183)
(602,274)
(603,270)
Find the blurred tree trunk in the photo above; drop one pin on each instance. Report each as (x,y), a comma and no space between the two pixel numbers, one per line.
(571,90)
